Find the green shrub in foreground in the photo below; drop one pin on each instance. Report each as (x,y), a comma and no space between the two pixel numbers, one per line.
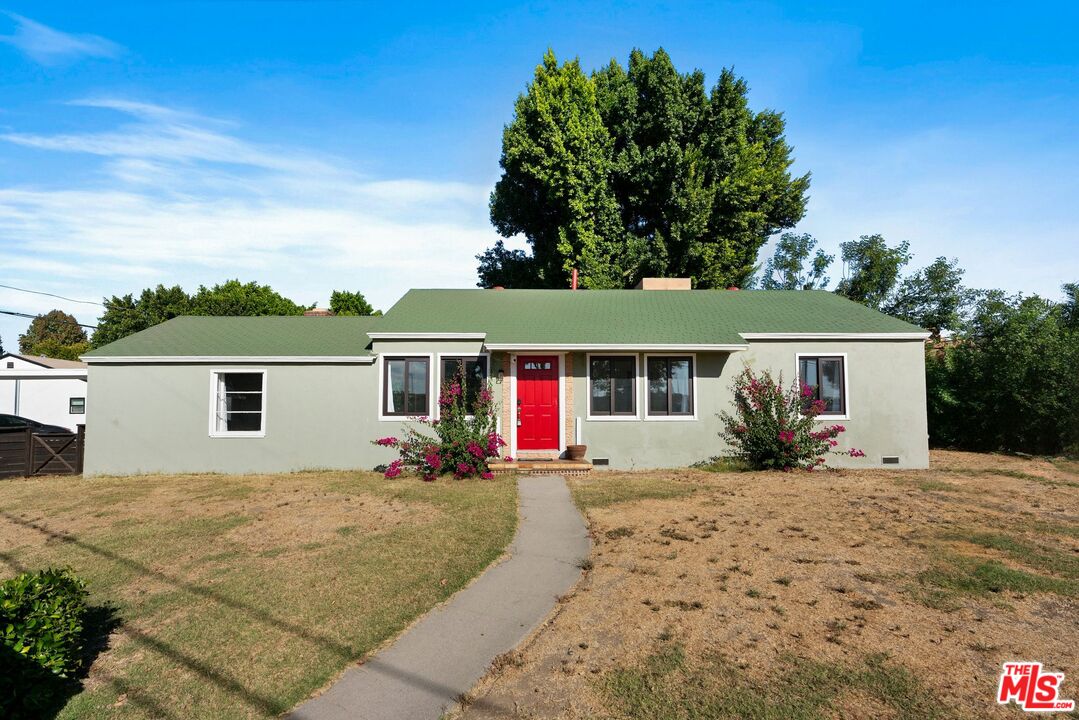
(41,639)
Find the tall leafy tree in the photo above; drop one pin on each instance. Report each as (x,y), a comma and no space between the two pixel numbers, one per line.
(686,182)
(933,298)
(510,268)
(1070,307)
(235,298)
(125,315)
(554,188)
(1008,382)
(872,269)
(786,269)
(344,302)
(50,331)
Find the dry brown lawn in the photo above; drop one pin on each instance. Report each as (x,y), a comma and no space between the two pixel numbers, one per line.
(847,594)
(237,596)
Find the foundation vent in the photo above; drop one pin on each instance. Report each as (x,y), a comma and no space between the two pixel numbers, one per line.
(889,460)
(601,461)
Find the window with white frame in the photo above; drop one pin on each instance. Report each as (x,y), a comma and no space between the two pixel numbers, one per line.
(406,382)
(670,386)
(239,407)
(826,378)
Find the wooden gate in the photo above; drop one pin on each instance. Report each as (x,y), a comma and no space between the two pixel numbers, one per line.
(24,453)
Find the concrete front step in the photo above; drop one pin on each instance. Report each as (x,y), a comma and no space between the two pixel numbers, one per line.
(541,467)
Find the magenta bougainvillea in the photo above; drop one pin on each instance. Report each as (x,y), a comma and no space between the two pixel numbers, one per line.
(779,429)
(462,439)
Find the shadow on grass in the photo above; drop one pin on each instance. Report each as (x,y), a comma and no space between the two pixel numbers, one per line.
(28,690)
(261,703)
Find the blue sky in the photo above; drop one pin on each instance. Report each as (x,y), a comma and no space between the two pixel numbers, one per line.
(342,145)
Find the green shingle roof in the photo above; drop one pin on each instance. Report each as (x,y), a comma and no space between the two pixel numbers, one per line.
(293,336)
(632,317)
(524,317)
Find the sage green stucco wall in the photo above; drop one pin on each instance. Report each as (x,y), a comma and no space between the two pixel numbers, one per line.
(155,418)
(886,398)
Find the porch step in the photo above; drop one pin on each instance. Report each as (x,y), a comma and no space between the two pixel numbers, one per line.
(541,467)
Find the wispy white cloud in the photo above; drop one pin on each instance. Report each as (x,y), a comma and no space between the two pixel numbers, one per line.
(50,46)
(178,198)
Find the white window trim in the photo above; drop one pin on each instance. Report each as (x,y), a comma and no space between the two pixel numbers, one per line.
(561,403)
(846,380)
(466,356)
(693,383)
(636,388)
(432,372)
(214,432)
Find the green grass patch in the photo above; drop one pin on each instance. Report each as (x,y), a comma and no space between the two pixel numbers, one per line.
(600,490)
(931,485)
(944,586)
(1027,553)
(1014,474)
(721,464)
(226,609)
(667,686)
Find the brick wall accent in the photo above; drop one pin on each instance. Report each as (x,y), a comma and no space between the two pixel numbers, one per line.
(568,400)
(507,429)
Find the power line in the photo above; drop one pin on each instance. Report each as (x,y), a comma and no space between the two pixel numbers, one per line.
(47,294)
(27,315)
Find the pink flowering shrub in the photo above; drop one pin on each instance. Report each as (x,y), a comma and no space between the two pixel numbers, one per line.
(461,441)
(777,429)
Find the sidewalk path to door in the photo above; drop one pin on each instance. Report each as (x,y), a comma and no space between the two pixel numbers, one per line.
(442,656)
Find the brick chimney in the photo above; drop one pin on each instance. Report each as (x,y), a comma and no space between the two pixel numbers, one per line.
(665,284)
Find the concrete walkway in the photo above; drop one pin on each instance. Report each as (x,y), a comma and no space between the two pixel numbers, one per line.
(443,656)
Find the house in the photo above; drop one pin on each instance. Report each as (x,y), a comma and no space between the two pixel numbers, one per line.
(44,389)
(637,375)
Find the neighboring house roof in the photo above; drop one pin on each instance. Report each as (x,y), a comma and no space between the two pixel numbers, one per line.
(707,318)
(47,362)
(192,338)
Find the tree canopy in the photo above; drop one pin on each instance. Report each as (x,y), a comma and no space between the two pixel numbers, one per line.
(344,302)
(235,298)
(872,269)
(126,315)
(1008,380)
(786,270)
(54,334)
(638,171)
(933,297)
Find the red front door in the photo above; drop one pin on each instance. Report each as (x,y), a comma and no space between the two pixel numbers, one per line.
(537,402)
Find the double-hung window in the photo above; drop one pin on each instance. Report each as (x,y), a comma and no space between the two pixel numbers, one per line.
(612,386)
(76,406)
(826,377)
(670,386)
(406,386)
(238,403)
(475,370)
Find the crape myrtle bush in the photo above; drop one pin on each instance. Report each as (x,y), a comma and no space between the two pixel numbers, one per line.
(464,436)
(41,639)
(774,428)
